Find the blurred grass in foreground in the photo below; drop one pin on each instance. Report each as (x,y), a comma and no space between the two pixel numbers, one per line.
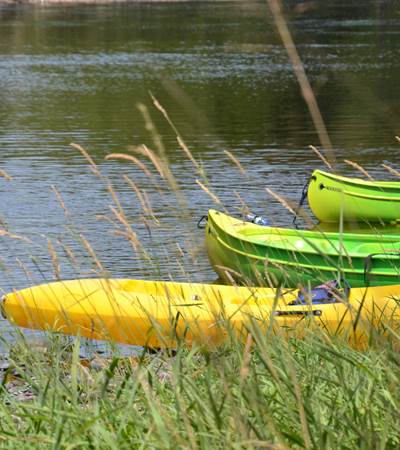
(269,393)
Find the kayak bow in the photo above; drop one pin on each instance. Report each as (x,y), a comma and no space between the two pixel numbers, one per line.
(331,196)
(270,256)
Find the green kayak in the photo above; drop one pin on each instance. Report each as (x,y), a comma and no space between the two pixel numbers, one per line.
(331,196)
(269,256)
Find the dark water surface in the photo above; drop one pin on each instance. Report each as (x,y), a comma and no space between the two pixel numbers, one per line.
(77,74)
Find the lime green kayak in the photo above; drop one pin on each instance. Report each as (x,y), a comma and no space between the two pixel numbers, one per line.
(269,256)
(331,196)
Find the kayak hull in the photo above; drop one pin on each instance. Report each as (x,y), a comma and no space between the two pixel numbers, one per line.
(165,314)
(268,256)
(332,197)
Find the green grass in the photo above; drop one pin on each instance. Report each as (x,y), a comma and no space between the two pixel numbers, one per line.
(271,394)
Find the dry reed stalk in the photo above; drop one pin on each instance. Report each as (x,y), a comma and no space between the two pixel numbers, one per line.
(93,165)
(359,168)
(151,128)
(129,233)
(179,138)
(54,259)
(298,67)
(181,252)
(70,254)
(119,213)
(304,7)
(236,162)
(162,161)
(180,269)
(157,104)
(60,201)
(321,156)
(163,168)
(6,233)
(194,250)
(105,218)
(207,191)
(143,199)
(167,174)
(189,154)
(5,175)
(145,151)
(137,191)
(230,274)
(244,208)
(120,216)
(91,252)
(23,267)
(148,203)
(129,237)
(140,150)
(282,201)
(186,102)
(244,370)
(131,159)
(391,170)
(115,198)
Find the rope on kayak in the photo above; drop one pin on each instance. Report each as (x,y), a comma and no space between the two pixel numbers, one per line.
(368,264)
(304,193)
(345,287)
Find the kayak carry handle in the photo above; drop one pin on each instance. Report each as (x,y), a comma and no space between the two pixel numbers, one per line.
(368,264)
(315,312)
(202,222)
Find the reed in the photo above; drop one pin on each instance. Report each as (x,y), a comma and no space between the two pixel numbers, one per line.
(265,393)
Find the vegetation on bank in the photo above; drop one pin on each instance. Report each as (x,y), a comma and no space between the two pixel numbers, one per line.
(269,393)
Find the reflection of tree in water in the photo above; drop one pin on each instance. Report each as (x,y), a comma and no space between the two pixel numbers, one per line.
(92,64)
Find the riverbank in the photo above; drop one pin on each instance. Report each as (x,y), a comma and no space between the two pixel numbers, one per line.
(272,394)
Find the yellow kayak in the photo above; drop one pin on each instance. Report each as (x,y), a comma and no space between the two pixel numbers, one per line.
(162,314)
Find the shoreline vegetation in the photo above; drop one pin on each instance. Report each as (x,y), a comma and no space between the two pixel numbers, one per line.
(268,393)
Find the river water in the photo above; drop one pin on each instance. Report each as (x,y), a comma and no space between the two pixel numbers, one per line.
(80,73)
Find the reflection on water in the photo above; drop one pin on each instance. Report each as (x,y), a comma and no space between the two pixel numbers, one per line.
(76,74)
